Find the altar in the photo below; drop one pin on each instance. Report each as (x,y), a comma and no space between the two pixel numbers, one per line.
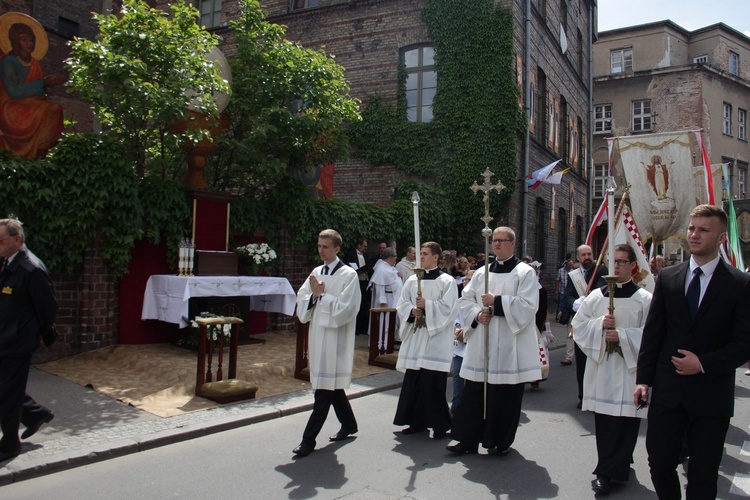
(167,297)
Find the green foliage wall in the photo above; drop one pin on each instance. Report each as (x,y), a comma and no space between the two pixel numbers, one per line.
(477,121)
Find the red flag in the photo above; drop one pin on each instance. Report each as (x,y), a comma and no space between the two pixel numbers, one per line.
(601,216)
(707,167)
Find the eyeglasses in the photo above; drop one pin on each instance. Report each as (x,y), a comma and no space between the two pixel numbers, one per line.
(500,241)
(621,262)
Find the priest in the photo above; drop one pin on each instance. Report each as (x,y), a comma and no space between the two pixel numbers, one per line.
(329,300)
(506,313)
(611,343)
(385,289)
(427,325)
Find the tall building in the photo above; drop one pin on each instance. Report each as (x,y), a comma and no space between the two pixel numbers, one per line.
(659,77)
(552,50)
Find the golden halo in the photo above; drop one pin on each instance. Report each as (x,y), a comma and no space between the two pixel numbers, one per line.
(10,18)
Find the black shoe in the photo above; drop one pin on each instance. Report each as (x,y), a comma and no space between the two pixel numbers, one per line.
(31,430)
(579,405)
(504,452)
(303,450)
(413,430)
(342,435)
(439,434)
(462,449)
(7,455)
(602,485)
(566,362)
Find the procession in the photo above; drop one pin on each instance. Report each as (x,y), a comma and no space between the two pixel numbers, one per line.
(507,242)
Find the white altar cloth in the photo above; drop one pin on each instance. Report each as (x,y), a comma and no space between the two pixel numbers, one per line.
(166,296)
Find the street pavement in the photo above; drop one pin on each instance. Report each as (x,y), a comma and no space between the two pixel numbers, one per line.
(97,446)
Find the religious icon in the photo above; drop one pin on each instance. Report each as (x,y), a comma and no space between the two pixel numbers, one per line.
(29,124)
(657,174)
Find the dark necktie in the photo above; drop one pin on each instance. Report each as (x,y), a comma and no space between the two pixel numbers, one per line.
(4,266)
(325,270)
(693,294)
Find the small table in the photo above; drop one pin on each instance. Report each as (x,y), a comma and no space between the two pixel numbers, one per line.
(166,296)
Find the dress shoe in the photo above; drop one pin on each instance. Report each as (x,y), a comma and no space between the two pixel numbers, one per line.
(7,455)
(602,485)
(413,430)
(31,430)
(303,450)
(504,452)
(462,449)
(342,435)
(566,362)
(439,434)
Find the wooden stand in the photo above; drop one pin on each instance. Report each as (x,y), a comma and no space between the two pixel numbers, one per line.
(382,355)
(221,391)
(301,361)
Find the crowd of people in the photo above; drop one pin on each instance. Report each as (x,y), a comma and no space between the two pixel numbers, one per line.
(669,357)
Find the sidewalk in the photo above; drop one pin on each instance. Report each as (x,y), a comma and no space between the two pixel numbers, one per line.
(89,427)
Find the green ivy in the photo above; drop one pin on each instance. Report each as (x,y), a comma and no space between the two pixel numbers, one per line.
(477,122)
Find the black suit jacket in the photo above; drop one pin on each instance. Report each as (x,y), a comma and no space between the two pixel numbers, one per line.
(351,256)
(571,293)
(719,335)
(27,306)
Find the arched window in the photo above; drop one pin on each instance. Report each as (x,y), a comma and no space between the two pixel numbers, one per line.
(421,83)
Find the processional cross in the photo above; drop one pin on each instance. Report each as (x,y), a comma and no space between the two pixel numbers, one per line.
(486,188)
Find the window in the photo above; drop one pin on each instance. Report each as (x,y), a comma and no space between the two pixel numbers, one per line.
(726,122)
(579,37)
(564,14)
(421,83)
(621,60)
(210,11)
(541,6)
(541,225)
(67,28)
(562,234)
(741,183)
(742,124)
(541,108)
(701,59)
(641,115)
(304,4)
(601,176)
(734,63)
(602,118)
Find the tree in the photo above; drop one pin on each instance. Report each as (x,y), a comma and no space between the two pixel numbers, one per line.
(143,71)
(289,107)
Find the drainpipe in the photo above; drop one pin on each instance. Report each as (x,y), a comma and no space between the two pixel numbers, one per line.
(590,144)
(526,139)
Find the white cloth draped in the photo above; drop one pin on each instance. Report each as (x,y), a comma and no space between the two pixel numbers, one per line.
(332,327)
(431,346)
(609,381)
(513,344)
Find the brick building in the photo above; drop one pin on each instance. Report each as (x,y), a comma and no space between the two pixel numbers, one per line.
(660,77)
(552,49)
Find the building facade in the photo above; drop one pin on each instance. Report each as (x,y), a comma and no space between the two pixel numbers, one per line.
(659,77)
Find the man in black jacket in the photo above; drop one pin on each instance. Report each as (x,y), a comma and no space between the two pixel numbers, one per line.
(27,310)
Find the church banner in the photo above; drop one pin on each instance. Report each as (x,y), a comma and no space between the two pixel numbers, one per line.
(659,170)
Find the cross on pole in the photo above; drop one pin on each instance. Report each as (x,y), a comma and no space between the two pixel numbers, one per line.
(486,188)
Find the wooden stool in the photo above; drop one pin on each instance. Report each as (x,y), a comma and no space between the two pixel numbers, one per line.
(220,390)
(381,349)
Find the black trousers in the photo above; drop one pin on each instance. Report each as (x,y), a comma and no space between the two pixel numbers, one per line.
(615,441)
(422,402)
(14,374)
(705,439)
(363,316)
(324,399)
(503,415)
(32,412)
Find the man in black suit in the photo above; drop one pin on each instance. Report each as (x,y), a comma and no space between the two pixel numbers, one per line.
(364,267)
(697,333)
(27,310)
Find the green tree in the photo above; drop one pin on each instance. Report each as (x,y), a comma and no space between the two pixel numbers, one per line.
(143,71)
(289,108)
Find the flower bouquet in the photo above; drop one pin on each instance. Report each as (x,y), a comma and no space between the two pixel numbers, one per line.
(192,336)
(256,257)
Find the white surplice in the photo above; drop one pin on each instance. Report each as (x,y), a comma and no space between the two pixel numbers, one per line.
(386,289)
(609,381)
(513,344)
(406,268)
(332,327)
(428,347)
